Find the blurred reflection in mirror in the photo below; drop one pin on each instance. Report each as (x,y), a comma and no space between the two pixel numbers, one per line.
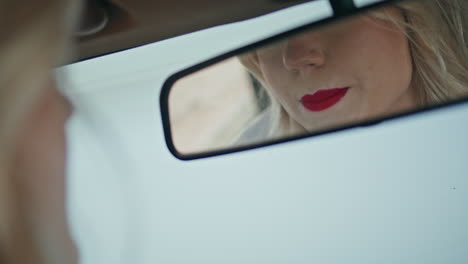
(377,64)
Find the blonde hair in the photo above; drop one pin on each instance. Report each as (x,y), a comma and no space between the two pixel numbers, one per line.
(33,40)
(437,35)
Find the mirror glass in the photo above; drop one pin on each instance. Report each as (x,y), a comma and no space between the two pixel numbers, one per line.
(390,60)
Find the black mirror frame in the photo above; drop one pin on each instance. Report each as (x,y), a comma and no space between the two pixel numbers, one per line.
(342,9)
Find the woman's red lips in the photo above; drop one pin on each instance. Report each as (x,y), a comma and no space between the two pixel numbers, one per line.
(323,99)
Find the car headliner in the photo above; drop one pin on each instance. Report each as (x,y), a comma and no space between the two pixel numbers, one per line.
(134,23)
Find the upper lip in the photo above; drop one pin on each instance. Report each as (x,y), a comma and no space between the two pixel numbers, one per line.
(323,99)
(316,94)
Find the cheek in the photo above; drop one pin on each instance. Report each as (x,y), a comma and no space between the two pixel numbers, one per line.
(39,173)
(392,75)
(385,73)
(271,63)
(275,74)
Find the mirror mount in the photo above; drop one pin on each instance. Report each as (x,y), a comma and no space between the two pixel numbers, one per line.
(342,7)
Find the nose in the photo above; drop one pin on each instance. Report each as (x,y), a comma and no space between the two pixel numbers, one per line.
(303,53)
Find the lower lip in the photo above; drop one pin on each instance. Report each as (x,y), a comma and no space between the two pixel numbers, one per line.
(323,99)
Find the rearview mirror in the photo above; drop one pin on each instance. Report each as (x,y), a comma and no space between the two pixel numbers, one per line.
(362,65)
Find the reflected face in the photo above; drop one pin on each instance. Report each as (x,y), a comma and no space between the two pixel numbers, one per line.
(349,71)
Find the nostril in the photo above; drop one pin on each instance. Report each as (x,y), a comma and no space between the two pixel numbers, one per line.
(301,61)
(303,52)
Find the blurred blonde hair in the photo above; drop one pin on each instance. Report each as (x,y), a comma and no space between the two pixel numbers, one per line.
(437,35)
(32,42)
